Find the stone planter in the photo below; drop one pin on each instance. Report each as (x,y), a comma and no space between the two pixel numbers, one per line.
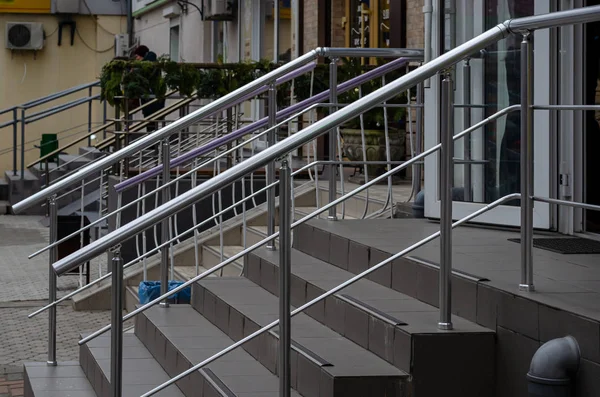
(375,149)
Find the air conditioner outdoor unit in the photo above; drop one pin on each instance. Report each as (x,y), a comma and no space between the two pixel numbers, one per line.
(24,36)
(220,10)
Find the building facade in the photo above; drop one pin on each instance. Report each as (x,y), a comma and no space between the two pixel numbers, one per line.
(75,47)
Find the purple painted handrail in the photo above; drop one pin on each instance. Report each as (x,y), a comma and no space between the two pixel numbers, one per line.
(285,113)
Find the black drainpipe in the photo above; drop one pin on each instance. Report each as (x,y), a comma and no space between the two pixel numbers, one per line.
(553,368)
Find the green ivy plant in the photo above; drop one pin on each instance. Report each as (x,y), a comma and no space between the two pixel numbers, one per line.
(141,79)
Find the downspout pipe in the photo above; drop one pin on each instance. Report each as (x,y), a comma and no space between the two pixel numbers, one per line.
(553,368)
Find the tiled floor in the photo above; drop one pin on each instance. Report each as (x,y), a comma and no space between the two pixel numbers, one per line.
(569,282)
(11,385)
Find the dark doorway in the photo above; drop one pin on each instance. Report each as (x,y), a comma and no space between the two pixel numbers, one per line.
(592,119)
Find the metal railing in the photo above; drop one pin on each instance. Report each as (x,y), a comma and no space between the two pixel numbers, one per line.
(20,116)
(281,150)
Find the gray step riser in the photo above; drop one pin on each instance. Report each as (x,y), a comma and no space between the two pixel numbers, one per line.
(172,361)
(264,348)
(330,313)
(366,327)
(415,279)
(93,372)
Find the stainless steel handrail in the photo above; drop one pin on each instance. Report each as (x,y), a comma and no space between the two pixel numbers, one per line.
(214,107)
(334,290)
(278,150)
(166,131)
(182,176)
(315,213)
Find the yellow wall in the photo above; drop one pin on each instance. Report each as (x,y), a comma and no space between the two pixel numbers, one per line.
(27,75)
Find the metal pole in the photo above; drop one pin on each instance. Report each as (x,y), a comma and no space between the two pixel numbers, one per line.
(53,256)
(90,116)
(22,143)
(116,335)
(166,196)
(467,124)
(417,174)
(15,141)
(126,138)
(104,110)
(526,164)
(271,137)
(285,262)
(446,178)
(332,138)
(276,31)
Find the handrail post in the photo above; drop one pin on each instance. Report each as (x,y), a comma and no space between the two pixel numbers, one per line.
(271,140)
(527,163)
(417,169)
(53,256)
(22,143)
(15,140)
(333,97)
(467,124)
(285,261)
(90,116)
(164,228)
(116,336)
(446,179)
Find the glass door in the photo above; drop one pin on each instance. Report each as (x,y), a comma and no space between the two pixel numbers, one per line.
(491,154)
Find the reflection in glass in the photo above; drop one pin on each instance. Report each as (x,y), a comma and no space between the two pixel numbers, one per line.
(502,89)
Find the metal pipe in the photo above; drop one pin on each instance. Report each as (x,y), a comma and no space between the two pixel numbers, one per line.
(276,17)
(372,53)
(417,169)
(543,21)
(271,139)
(566,107)
(166,131)
(90,118)
(289,111)
(53,255)
(164,229)
(59,109)
(446,179)
(116,337)
(567,203)
(427,47)
(327,294)
(23,144)
(467,122)
(332,138)
(272,153)
(285,263)
(527,164)
(15,141)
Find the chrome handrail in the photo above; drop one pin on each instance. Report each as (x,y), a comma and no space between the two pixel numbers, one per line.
(208,110)
(315,213)
(278,150)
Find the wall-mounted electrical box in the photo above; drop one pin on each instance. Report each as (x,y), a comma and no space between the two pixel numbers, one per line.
(66,6)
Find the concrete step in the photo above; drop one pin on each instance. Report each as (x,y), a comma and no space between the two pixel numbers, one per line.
(179,337)
(4,207)
(66,379)
(91,152)
(72,162)
(3,189)
(323,362)
(211,257)
(39,170)
(141,372)
(394,326)
(254,234)
(301,212)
